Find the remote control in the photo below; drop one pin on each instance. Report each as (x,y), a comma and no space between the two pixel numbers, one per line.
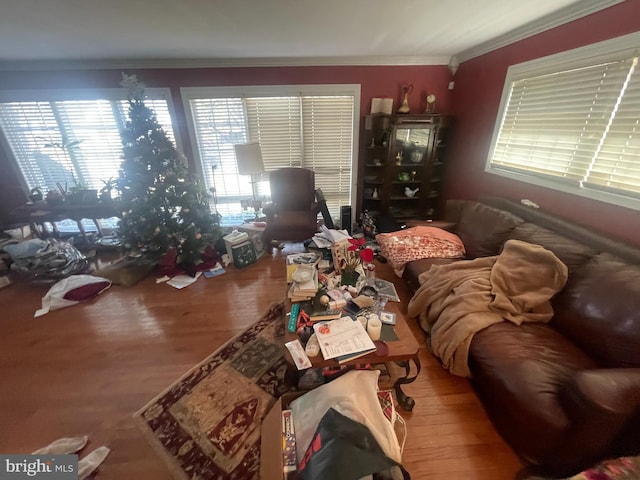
(293,317)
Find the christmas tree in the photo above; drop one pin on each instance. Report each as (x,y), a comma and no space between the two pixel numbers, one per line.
(162,206)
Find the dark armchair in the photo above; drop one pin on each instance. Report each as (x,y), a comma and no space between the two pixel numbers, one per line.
(292,214)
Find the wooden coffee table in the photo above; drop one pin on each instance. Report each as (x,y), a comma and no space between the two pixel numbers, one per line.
(401,351)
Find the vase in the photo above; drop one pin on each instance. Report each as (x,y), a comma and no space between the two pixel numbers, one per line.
(349,277)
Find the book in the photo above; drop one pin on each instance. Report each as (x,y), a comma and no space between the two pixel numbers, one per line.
(325,315)
(289,458)
(343,338)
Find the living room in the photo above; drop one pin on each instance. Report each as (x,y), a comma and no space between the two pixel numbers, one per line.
(450,436)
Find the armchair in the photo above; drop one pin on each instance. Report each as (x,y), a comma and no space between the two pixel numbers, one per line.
(293,212)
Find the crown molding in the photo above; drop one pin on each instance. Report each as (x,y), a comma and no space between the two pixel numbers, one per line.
(564,15)
(137,64)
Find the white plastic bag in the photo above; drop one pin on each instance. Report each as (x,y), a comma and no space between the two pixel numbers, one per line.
(354,395)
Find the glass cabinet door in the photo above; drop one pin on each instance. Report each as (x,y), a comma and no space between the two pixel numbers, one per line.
(411,143)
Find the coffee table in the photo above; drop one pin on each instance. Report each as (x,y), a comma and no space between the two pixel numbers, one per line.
(401,351)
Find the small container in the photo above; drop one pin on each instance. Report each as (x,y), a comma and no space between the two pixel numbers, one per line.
(374,327)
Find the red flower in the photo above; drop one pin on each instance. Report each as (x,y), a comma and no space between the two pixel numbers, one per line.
(356,244)
(367,255)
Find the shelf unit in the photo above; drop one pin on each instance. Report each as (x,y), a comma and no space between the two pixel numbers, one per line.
(399,154)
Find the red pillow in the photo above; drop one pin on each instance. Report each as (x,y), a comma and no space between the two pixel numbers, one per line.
(85,292)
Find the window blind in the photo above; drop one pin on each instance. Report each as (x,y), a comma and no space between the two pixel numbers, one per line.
(328,142)
(554,123)
(39,132)
(617,165)
(310,131)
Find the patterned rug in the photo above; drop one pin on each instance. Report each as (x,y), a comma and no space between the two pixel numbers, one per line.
(207,424)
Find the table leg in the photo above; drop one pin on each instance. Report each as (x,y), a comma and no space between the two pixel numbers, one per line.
(406,403)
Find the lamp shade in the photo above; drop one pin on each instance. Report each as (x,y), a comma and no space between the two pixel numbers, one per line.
(249,158)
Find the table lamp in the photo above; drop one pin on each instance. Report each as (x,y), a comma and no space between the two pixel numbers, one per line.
(249,160)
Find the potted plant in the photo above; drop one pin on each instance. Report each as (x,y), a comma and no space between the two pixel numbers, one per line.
(81,193)
(105,192)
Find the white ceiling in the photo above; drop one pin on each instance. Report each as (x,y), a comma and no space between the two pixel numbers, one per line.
(272,31)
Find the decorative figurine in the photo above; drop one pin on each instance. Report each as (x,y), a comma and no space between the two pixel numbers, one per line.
(404,107)
(410,193)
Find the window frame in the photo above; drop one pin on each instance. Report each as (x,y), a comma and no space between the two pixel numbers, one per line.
(192,93)
(609,50)
(78,94)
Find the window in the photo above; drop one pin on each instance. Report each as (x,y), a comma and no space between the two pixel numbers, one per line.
(302,126)
(572,122)
(70,137)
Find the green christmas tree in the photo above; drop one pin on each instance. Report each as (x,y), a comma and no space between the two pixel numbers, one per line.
(163,207)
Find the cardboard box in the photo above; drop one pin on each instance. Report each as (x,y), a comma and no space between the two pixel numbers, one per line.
(243,254)
(255,230)
(271,445)
(232,239)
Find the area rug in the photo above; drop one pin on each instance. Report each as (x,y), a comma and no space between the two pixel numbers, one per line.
(207,424)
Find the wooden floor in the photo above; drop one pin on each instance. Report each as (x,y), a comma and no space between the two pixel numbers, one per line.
(86,369)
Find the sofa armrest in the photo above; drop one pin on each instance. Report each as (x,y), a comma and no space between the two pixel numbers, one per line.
(603,404)
(612,390)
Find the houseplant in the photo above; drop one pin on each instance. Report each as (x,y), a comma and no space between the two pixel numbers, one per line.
(357,259)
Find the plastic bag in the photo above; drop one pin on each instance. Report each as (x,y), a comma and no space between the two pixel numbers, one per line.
(343,449)
(47,259)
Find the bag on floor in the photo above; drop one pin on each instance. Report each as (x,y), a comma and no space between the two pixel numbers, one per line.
(343,449)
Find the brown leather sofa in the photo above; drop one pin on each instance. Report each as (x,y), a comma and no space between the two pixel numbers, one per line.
(565,394)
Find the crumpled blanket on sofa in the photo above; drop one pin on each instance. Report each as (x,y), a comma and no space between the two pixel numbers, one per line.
(457,300)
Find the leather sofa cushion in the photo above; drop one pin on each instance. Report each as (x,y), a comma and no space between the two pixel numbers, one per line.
(603,317)
(520,373)
(571,253)
(484,229)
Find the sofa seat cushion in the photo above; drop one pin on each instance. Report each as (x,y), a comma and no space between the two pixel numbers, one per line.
(519,372)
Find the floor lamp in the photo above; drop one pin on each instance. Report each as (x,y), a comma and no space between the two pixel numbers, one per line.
(249,160)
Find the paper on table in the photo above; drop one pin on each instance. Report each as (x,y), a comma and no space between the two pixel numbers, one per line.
(181,281)
(342,337)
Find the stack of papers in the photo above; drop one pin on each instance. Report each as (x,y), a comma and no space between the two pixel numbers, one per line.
(328,236)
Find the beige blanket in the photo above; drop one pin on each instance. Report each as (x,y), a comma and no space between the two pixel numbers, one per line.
(457,300)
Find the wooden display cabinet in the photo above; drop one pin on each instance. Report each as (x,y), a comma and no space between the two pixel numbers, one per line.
(401,165)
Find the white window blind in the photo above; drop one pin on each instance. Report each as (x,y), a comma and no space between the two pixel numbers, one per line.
(617,167)
(294,130)
(39,133)
(571,122)
(554,123)
(328,142)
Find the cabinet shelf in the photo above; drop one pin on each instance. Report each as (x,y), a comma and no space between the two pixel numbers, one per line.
(420,141)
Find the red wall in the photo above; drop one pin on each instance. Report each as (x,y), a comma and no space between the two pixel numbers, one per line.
(478,88)
(375,81)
